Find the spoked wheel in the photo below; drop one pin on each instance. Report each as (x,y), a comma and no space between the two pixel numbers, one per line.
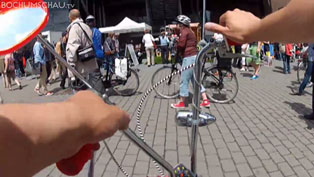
(221,84)
(301,71)
(126,87)
(170,88)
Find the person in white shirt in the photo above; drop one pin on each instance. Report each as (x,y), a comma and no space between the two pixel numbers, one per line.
(148,40)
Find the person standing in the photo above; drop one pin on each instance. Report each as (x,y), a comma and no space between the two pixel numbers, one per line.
(282,51)
(50,65)
(97,38)
(286,60)
(309,70)
(117,44)
(40,62)
(187,48)
(254,50)
(245,48)
(80,38)
(18,56)
(164,43)
(60,49)
(2,66)
(267,53)
(148,41)
(110,51)
(9,70)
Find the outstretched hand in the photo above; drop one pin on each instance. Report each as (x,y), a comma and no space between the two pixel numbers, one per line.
(237,25)
(98,118)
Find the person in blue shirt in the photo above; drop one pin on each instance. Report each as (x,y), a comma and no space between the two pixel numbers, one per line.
(40,61)
(164,43)
(97,38)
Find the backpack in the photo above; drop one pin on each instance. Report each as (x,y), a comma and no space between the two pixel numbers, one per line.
(282,48)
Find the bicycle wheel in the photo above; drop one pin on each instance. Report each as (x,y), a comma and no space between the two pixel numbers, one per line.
(170,88)
(126,87)
(301,71)
(221,84)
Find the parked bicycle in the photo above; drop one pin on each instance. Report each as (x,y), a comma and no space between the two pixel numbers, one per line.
(170,88)
(122,86)
(220,82)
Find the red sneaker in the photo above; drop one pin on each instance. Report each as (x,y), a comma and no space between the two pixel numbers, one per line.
(178,105)
(205,103)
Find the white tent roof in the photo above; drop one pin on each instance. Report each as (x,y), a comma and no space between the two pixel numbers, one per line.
(126,26)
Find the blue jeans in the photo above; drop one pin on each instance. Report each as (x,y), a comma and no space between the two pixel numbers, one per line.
(286,64)
(281,56)
(108,64)
(307,77)
(187,76)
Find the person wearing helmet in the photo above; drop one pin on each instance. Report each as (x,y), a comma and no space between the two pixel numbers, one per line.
(97,38)
(187,49)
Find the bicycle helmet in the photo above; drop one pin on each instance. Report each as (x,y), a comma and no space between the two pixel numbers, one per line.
(90,18)
(183,19)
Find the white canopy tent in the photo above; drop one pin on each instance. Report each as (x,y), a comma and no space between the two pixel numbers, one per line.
(126,26)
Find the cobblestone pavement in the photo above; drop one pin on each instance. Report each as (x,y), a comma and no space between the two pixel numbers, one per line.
(261,134)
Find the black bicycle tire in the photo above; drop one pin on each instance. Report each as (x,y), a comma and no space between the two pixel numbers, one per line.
(157,92)
(119,92)
(233,76)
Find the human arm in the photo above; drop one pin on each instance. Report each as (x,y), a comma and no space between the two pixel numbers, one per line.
(242,27)
(34,136)
(182,40)
(58,48)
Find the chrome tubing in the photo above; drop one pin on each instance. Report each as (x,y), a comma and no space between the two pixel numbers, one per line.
(196,103)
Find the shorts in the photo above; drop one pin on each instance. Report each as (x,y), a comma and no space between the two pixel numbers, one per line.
(253,52)
(11,75)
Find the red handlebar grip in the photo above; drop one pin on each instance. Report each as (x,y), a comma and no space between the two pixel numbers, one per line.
(73,165)
(231,43)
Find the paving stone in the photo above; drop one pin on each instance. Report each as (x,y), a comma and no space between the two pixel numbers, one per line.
(238,157)
(276,174)
(270,166)
(306,164)
(262,154)
(260,172)
(291,160)
(228,165)
(244,170)
(224,153)
(285,169)
(300,171)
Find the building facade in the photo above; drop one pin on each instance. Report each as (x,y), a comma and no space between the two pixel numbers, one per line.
(158,13)
(58,15)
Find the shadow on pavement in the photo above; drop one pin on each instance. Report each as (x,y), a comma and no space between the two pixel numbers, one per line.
(296,89)
(23,86)
(302,110)
(60,91)
(295,83)
(278,71)
(279,67)
(246,74)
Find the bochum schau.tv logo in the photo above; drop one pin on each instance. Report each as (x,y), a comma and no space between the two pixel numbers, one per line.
(50,5)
